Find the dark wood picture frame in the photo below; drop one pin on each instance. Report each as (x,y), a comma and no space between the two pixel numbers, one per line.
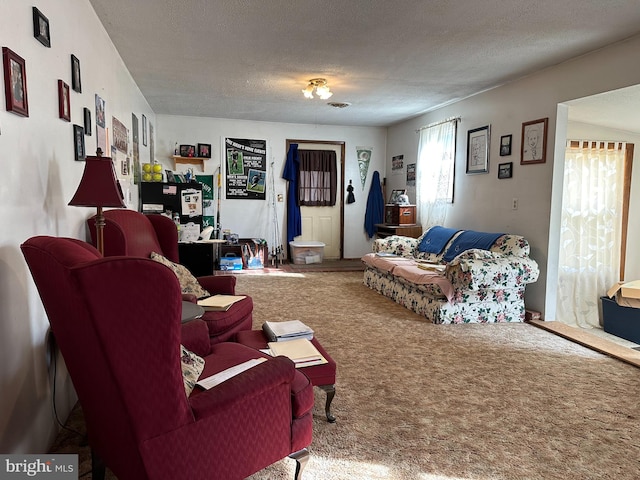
(478,144)
(76,82)
(64,101)
(186,149)
(505,145)
(78,142)
(15,83)
(41,28)
(87,121)
(533,148)
(204,150)
(505,170)
(144,130)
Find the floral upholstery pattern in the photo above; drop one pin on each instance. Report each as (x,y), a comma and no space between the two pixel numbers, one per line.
(488,285)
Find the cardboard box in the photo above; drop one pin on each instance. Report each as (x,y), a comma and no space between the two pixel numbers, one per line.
(231,263)
(623,322)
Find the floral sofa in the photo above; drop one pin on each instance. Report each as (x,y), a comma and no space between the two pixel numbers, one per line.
(456,282)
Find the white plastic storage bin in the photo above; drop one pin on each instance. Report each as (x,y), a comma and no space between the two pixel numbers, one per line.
(304,252)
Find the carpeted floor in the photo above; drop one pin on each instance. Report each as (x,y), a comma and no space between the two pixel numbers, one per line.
(417,401)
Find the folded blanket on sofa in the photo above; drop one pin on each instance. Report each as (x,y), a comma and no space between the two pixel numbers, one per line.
(436,239)
(468,240)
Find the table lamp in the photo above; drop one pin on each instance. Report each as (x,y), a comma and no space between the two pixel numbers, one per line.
(99,188)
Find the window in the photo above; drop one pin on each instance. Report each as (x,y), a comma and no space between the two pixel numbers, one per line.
(435,171)
(318,178)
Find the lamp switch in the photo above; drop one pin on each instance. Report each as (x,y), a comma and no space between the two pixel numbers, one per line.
(514,204)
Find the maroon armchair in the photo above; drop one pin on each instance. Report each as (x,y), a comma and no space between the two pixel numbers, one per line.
(131,233)
(140,421)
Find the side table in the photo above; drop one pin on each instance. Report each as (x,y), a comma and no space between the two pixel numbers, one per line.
(321,376)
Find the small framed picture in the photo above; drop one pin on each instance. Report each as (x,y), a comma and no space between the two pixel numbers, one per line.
(100,111)
(505,170)
(76,83)
(534,141)
(144,130)
(15,83)
(204,150)
(187,150)
(478,150)
(64,102)
(395,196)
(41,28)
(505,145)
(78,142)
(170,176)
(87,121)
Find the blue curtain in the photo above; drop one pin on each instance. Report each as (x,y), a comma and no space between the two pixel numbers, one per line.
(291,170)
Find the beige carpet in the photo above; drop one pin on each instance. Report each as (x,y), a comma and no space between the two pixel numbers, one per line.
(417,401)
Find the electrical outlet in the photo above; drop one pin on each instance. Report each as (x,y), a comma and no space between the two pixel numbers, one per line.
(514,204)
(280,198)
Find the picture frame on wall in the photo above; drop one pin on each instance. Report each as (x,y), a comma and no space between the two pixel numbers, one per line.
(505,170)
(76,82)
(41,28)
(505,145)
(78,142)
(15,83)
(533,148)
(87,121)
(204,150)
(144,130)
(478,142)
(64,101)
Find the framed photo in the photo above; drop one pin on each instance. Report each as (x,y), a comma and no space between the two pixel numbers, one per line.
(204,150)
(100,112)
(478,150)
(170,176)
(15,83)
(395,194)
(534,141)
(64,102)
(41,28)
(505,170)
(75,74)
(505,145)
(87,121)
(78,142)
(144,130)
(188,150)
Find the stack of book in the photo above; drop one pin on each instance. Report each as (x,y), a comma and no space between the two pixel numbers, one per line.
(301,351)
(285,331)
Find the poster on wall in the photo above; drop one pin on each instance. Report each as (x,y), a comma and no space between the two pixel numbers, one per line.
(246,168)
(364,156)
(397,165)
(411,175)
(101,124)
(208,213)
(136,149)
(120,135)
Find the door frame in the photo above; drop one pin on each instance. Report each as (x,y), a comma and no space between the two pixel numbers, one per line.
(340,196)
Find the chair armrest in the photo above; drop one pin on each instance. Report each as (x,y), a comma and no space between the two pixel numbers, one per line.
(194,335)
(487,270)
(189,297)
(266,376)
(396,244)
(224,284)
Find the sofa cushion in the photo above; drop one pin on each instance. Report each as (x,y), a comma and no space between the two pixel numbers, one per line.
(188,283)
(192,367)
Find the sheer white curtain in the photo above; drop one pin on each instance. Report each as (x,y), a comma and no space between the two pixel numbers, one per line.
(435,171)
(591,230)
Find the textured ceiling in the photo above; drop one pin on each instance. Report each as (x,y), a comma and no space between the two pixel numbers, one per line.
(391,60)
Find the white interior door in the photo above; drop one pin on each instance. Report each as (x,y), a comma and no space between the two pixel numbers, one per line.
(322,224)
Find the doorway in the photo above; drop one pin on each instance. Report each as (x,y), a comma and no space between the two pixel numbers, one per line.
(325,224)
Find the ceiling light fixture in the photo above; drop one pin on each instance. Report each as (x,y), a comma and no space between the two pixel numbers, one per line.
(321,88)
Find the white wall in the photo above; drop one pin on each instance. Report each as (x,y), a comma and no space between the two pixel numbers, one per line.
(39,178)
(483,202)
(254,218)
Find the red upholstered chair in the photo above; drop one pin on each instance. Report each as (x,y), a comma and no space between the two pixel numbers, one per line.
(131,233)
(140,421)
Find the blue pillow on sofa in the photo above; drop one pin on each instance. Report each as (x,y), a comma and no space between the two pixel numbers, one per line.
(436,239)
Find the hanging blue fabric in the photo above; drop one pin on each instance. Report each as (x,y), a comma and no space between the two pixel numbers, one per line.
(291,170)
(375,206)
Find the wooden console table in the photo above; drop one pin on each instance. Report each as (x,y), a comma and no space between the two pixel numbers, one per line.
(412,230)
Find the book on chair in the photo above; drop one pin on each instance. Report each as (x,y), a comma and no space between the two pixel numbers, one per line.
(301,351)
(219,303)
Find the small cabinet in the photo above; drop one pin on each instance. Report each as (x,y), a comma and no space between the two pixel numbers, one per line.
(399,214)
